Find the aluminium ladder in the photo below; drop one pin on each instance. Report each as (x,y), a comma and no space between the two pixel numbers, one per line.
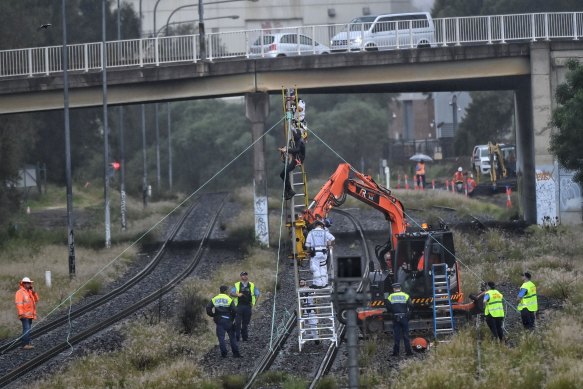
(442,311)
(316,318)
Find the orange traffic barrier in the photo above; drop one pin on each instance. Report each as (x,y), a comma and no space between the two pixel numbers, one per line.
(508,200)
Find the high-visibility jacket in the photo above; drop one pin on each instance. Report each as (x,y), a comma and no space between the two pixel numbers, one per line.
(251,290)
(420,169)
(25,300)
(529,301)
(223,307)
(458,177)
(399,302)
(494,306)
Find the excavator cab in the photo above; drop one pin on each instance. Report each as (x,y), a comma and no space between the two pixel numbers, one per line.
(415,255)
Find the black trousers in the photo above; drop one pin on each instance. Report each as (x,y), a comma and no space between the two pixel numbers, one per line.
(225,326)
(242,321)
(528,319)
(401,330)
(495,325)
(286,172)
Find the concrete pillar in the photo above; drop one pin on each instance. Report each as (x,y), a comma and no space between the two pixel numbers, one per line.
(525,158)
(256,110)
(545,168)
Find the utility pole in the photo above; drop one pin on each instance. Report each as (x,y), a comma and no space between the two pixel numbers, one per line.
(169,112)
(158,175)
(122,185)
(145,179)
(105,127)
(70,233)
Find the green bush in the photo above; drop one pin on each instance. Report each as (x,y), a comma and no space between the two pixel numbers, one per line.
(234,381)
(91,288)
(191,312)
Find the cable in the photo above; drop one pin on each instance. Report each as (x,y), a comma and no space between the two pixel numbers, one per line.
(146,233)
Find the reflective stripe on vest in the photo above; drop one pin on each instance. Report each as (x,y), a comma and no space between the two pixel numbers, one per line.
(398,298)
(251,290)
(529,301)
(222,300)
(494,305)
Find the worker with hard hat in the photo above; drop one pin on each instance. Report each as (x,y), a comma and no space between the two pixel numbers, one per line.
(494,311)
(25,300)
(222,309)
(399,303)
(527,302)
(458,179)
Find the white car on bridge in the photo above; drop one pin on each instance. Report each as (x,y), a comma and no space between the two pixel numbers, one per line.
(286,44)
(386,32)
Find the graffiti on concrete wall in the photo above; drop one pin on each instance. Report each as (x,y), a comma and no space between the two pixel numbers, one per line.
(546,189)
(261,220)
(569,192)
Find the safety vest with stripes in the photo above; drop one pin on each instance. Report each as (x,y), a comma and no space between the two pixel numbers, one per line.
(494,305)
(251,290)
(529,301)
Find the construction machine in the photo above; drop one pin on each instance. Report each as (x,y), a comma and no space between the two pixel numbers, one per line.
(408,255)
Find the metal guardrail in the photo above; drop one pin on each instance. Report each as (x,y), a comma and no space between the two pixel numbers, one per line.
(470,30)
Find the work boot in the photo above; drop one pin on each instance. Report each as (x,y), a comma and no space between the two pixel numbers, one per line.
(28,347)
(289,194)
(237,355)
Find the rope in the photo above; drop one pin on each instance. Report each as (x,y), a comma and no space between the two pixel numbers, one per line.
(147,232)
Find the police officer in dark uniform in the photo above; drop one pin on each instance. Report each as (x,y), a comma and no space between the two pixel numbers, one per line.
(399,303)
(222,309)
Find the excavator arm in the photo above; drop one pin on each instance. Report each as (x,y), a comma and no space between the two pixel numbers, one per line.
(363,188)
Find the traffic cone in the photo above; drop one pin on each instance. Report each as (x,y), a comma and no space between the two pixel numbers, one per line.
(447,185)
(406,182)
(433,184)
(508,200)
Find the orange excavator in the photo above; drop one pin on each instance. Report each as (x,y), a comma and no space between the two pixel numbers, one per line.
(406,256)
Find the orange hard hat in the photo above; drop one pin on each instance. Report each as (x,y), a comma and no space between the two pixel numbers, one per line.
(420,344)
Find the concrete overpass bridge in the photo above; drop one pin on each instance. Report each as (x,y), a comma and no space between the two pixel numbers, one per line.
(528,58)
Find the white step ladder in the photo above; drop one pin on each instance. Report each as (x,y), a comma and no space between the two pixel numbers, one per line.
(316,318)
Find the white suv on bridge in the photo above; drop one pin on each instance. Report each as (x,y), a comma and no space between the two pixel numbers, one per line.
(386,32)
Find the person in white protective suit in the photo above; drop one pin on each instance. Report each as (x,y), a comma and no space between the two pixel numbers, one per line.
(319,242)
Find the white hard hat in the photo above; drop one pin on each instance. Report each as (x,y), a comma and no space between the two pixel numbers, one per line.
(459,169)
(26,279)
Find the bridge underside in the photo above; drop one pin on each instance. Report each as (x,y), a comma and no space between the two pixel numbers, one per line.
(443,69)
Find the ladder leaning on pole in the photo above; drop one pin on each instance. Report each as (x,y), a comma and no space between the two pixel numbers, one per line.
(442,311)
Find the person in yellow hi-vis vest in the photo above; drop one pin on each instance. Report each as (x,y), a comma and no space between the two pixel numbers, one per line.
(494,311)
(527,302)
(245,294)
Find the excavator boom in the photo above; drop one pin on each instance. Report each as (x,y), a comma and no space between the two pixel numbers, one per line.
(363,188)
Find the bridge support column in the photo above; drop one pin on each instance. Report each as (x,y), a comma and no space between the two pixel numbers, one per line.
(257,109)
(525,158)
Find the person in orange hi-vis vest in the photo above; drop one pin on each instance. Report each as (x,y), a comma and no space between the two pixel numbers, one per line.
(25,300)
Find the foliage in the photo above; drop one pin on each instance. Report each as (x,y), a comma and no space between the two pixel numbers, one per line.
(567,141)
(488,118)
(191,311)
(447,8)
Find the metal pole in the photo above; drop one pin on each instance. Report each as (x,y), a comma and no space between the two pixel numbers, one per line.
(352,340)
(145,181)
(157,148)
(169,147)
(105,128)
(454,108)
(122,186)
(70,233)
(201,35)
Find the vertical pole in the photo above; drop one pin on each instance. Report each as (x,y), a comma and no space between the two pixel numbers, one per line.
(70,233)
(352,341)
(122,186)
(145,179)
(105,128)
(201,36)
(169,148)
(157,119)
(454,113)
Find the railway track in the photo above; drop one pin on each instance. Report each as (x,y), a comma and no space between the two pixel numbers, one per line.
(160,276)
(306,361)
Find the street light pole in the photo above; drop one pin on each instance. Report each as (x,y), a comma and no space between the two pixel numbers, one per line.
(70,233)
(454,113)
(105,127)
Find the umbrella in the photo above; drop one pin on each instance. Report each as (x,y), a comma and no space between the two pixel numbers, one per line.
(421,157)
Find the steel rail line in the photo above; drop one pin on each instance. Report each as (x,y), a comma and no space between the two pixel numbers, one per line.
(46,356)
(46,328)
(331,352)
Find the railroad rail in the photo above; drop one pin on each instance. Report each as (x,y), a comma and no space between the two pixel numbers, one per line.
(93,327)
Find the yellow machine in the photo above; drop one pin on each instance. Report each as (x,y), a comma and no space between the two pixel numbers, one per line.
(497,166)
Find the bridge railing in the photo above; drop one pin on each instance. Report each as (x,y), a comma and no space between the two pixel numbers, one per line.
(470,30)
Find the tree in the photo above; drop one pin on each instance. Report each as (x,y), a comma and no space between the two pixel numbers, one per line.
(488,118)
(450,8)
(567,141)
